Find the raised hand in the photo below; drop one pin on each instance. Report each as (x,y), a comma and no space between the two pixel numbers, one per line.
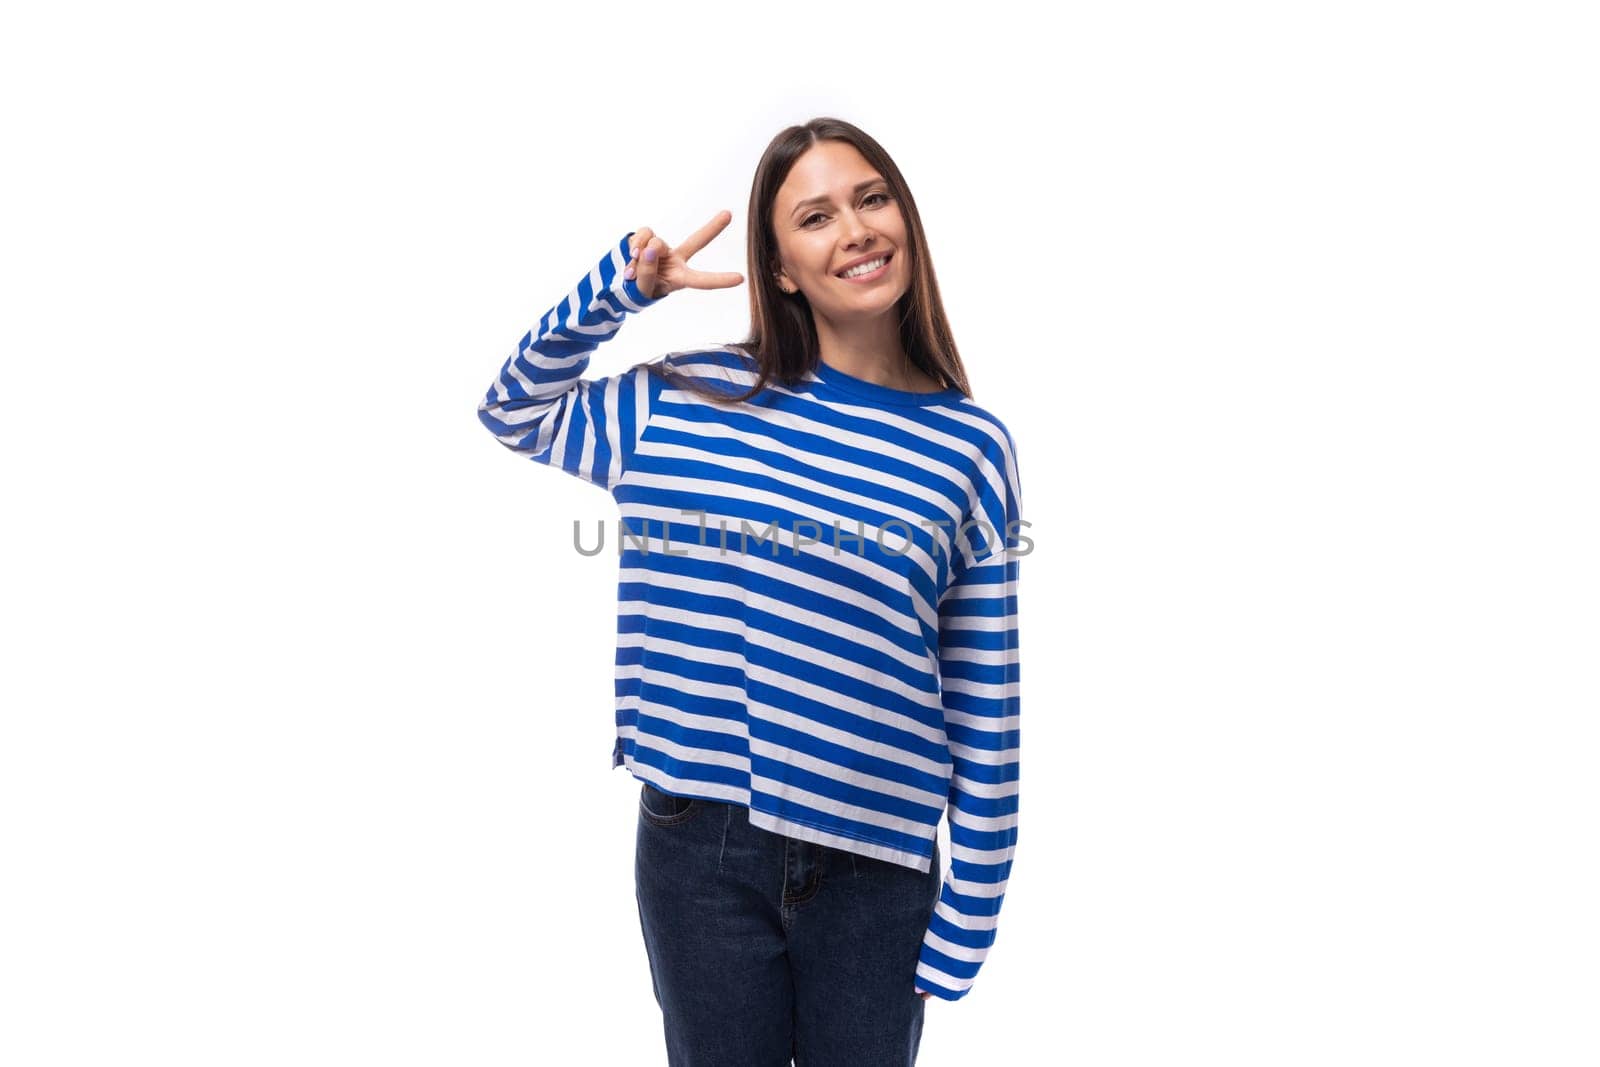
(662,269)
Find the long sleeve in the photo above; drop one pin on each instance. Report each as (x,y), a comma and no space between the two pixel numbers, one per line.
(980,678)
(540,405)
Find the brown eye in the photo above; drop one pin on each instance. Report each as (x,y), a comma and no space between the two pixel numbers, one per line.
(817,215)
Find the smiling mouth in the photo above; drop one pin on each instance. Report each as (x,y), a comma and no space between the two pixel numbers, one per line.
(886,257)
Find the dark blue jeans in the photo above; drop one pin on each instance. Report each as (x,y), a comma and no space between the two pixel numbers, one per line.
(763,947)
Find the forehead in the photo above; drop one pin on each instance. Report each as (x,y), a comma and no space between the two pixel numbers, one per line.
(828,168)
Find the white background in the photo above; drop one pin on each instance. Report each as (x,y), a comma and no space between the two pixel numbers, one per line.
(1290,308)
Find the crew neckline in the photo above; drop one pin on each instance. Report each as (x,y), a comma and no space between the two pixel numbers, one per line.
(833,376)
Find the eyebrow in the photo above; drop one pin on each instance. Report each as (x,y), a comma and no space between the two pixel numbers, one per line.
(824,199)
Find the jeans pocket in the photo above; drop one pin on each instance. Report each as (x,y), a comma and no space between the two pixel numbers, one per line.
(660,808)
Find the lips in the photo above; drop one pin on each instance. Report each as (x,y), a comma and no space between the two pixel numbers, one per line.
(885,256)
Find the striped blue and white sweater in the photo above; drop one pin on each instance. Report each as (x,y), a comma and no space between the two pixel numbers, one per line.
(851,672)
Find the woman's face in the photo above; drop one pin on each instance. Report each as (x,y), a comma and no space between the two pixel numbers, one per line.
(855,218)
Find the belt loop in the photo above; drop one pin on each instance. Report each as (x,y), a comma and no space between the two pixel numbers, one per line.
(726,819)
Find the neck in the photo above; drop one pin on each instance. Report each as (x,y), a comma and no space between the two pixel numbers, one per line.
(869,350)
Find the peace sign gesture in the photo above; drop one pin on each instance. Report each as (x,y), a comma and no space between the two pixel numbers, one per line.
(662,270)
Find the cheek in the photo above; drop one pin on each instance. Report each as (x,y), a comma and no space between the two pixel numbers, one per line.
(820,259)
(894,224)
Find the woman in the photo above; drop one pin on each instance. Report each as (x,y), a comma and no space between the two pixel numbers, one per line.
(817,632)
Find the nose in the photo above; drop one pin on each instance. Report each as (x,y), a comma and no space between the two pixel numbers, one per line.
(856,231)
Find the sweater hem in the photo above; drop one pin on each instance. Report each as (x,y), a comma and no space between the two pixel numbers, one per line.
(801,831)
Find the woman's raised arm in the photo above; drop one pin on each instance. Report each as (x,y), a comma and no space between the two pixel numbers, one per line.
(542,407)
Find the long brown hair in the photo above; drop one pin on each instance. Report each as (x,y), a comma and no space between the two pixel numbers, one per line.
(783,337)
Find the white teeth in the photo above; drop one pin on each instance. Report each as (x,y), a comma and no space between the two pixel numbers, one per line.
(865,268)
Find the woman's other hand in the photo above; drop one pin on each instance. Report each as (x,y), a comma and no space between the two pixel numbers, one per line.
(661,269)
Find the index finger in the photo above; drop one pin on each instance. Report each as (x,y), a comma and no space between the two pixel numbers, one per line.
(702,237)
